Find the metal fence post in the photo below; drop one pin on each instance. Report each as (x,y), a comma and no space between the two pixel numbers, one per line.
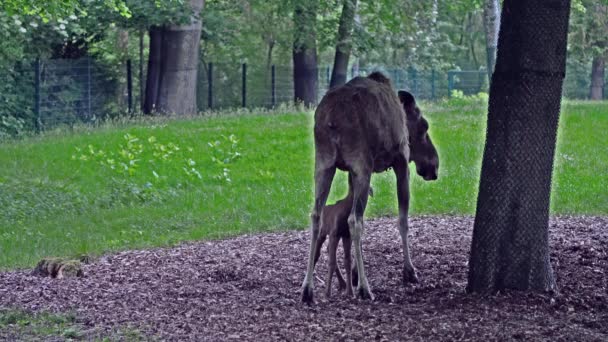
(413,77)
(450,83)
(328,75)
(273,100)
(433,84)
(129,87)
(38,120)
(89,86)
(244,89)
(397,78)
(210,86)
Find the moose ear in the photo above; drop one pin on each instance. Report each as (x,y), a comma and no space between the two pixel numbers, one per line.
(409,104)
(406,98)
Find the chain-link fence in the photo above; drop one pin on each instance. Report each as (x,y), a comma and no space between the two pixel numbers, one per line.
(44,94)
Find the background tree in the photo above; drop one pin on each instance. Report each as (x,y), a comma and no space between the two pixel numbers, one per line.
(589,42)
(344,43)
(510,248)
(305,71)
(491,24)
(173,63)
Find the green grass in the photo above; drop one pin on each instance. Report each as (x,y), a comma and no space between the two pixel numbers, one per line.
(28,326)
(57,205)
(16,324)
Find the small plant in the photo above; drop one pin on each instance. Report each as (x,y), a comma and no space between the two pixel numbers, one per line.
(457,94)
(224,152)
(135,163)
(458,98)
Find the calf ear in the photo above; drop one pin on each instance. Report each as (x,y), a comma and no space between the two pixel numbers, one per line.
(409,104)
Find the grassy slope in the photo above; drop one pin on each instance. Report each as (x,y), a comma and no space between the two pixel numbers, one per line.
(54,205)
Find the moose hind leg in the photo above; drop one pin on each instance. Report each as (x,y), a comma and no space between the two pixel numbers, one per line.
(346,244)
(323,179)
(360,183)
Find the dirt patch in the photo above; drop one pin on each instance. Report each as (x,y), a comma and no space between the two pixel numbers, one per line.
(248,287)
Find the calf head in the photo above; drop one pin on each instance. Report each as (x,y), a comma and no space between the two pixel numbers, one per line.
(422,151)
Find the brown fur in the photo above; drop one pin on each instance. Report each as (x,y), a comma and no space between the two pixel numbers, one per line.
(362,127)
(58,268)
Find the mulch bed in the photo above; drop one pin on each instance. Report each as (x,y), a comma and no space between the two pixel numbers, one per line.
(248,288)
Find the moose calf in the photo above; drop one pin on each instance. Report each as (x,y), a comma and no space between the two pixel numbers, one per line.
(334,223)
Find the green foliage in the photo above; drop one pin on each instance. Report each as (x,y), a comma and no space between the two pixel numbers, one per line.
(224,152)
(51,9)
(458,99)
(588,28)
(45,326)
(11,126)
(141,170)
(37,326)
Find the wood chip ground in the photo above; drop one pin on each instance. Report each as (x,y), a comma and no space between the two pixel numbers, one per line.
(248,288)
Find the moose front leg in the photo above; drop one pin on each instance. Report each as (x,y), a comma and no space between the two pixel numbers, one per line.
(323,179)
(403,196)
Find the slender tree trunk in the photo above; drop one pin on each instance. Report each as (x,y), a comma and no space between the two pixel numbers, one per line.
(597,78)
(344,43)
(179,66)
(154,65)
(122,45)
(510,248)
(305,71)
(491,24)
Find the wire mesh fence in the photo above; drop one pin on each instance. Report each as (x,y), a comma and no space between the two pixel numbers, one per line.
(47,93)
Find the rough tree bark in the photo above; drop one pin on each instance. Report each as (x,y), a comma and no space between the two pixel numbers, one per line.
(305,71)
(510,248)
(491,24)
(173,64)
(343,43)
(597,78)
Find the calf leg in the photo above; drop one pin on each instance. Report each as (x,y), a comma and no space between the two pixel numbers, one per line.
(331,249)
(360,182)
(403,196)
(341,281)
(346,244)
(323,179)
(320,241)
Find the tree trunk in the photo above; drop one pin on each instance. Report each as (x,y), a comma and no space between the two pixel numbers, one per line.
(173,65)
(510,248)
(491,24)
(179,66)
(305,72)
(343,43)
(154,64)
(122,46)
(597,79)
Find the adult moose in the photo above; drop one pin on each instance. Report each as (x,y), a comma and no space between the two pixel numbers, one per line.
(364,127)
